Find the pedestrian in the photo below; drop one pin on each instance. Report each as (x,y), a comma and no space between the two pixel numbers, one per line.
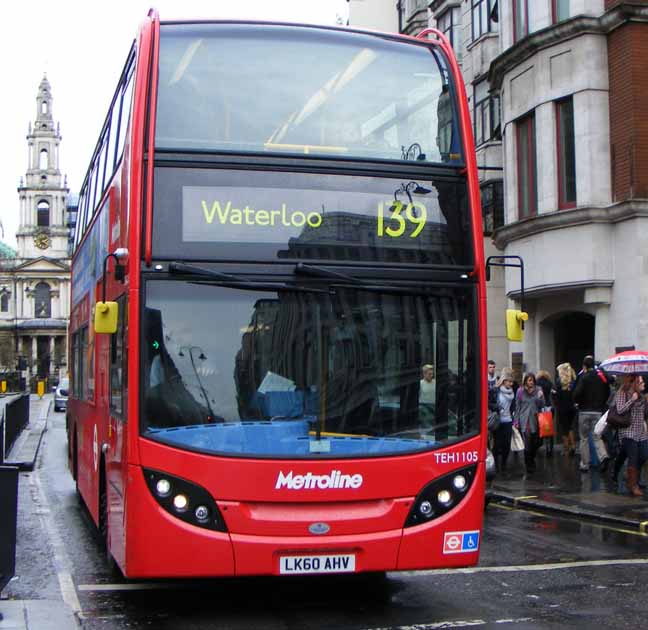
(506,409)
(529,401)
(634,439)
(427,397)
(545,384)
(563,402)
(591,395)
(492,378)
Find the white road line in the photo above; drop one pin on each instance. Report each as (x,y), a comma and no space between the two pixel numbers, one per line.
(459,623)
(529,567)
(135,586)
(61,559)
(153,586)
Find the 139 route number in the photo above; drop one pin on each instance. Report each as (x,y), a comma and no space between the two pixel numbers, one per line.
(395,224)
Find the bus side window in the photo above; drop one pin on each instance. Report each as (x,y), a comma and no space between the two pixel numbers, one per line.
(119,363)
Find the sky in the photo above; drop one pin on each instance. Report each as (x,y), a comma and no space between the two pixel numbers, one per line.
(81,45)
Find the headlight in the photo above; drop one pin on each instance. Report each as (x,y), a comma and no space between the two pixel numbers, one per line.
(180,502)
(163,487)
(440,496)
(185,500)
(459,482)
(444,498)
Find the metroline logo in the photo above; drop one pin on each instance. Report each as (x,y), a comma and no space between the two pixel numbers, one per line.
(335,479)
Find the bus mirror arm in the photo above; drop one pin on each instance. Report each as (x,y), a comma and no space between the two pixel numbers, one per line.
(120,255)
(516,262)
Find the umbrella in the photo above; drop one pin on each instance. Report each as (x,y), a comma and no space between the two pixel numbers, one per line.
(628,362)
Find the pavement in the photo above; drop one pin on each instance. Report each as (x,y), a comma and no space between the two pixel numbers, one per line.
(559,487)
(35,614)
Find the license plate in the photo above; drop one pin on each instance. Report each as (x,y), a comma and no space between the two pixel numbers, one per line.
(340,563)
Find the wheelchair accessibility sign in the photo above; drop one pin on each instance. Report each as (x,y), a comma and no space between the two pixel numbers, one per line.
(461,542)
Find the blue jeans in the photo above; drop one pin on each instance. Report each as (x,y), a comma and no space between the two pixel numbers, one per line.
(586,422)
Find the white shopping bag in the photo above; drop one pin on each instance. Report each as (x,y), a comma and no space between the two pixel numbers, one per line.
(517,442)
(600,425)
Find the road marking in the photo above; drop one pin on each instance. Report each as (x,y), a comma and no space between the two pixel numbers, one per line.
(137,586)
(640,532)
(510,568)
(459,623)
(61,560)
(579,564)
(530,496)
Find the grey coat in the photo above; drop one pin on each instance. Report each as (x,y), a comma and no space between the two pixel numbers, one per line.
(527,408)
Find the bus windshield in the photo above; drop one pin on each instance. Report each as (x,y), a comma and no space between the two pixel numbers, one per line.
(314,91)
(307,372)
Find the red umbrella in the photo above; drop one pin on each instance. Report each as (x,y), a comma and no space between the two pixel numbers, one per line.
(628,362)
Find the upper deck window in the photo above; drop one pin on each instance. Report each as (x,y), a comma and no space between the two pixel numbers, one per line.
(309,91)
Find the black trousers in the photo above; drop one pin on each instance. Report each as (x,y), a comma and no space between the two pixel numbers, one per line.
(502,446)
(532,443)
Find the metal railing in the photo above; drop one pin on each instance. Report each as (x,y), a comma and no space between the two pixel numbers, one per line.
(13,419)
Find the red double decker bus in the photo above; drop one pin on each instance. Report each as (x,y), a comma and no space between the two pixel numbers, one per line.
(278,322)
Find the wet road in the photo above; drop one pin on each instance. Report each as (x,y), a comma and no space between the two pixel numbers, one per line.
(536,571)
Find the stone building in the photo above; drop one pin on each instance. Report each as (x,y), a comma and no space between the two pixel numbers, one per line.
(555,89)
(35,279)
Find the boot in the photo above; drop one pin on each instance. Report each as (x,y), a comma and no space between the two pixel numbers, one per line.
(633,476)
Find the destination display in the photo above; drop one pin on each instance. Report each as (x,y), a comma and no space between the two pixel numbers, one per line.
(259,214)
(235,215)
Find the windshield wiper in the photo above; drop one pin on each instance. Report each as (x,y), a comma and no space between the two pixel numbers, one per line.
(345,281)
(193,270)
(321,272)
(235,282)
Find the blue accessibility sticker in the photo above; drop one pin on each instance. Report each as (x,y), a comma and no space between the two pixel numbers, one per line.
(470,541)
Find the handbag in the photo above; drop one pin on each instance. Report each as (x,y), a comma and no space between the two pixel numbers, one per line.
(617,420)
(517,443)
(601,424)
(545,424)
(493,420)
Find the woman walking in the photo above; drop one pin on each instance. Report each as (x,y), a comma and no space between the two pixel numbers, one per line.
(505,408)
(634,439)
(545,384)
(529,400)
(563,401)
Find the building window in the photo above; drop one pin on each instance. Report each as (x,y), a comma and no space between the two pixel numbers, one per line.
(44,107)
(527,180)
(486,114)
(412,6)
(520,19)
(445,23)
(43,161)
(566,148)
(483,17)
(492,201)
(560,10)
(42,300)
(43,214)
(4,302)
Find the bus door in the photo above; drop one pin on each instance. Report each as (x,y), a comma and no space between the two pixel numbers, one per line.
(116,459)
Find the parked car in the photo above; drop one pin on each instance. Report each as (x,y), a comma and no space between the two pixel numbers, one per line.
(61,395)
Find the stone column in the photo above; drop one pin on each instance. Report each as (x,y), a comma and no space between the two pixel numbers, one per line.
(601,297)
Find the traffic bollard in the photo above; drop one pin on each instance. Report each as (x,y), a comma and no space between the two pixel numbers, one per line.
(8,518)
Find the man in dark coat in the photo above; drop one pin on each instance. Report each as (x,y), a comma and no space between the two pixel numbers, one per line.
(591,395)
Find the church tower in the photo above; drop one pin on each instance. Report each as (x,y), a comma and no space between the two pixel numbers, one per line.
(43,231)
